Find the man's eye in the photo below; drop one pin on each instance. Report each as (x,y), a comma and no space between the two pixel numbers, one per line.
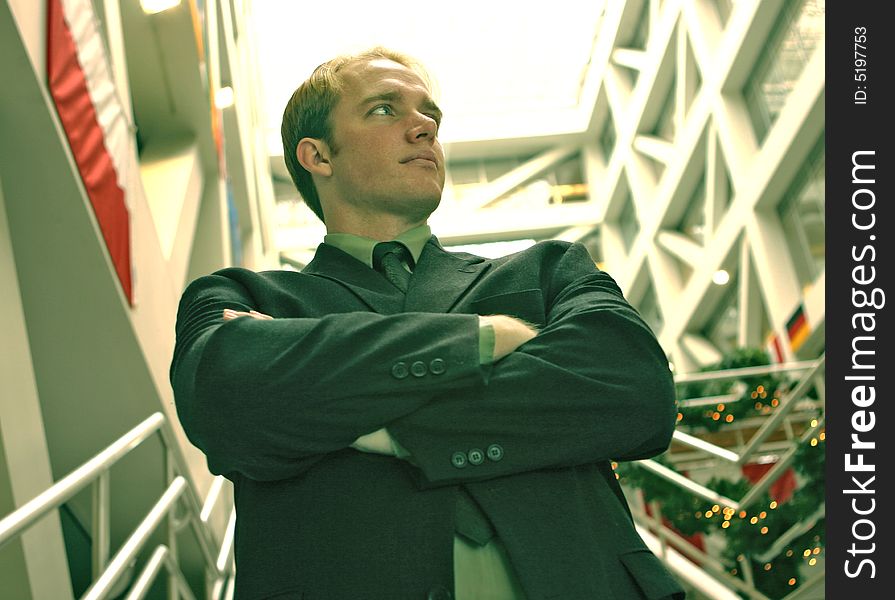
(382,109)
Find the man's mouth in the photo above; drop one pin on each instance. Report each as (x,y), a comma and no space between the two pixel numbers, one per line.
(422,158)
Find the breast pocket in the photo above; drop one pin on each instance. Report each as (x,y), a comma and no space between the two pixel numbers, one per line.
(527,305)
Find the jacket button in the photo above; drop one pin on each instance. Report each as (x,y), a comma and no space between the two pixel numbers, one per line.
(495,452)
(439,592)
(399,370)
(418,369)
(458,459)
(476,457)
(436,367)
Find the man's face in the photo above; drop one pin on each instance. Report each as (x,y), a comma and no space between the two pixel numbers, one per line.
(386,157)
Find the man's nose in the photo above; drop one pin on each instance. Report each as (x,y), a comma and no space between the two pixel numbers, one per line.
(423,128)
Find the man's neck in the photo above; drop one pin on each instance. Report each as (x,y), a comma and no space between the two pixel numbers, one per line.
(380,229)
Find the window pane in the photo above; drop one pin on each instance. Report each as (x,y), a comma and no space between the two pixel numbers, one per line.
(788,49)
(802,215)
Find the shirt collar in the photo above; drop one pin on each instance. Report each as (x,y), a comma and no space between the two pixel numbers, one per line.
(361,248)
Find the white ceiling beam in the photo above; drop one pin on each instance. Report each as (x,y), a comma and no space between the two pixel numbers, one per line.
(521,175)
(499,224)
(681,246)
(655,147)
(628,57)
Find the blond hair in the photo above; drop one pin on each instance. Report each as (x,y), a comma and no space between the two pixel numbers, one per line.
(307,114)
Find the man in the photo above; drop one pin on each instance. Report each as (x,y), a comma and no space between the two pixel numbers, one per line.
(401,422)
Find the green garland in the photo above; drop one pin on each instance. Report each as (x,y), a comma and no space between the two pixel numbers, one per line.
(749,533)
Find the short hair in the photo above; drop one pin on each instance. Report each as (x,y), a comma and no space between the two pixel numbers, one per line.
(308,112)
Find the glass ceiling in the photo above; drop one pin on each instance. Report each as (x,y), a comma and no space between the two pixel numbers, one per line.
(504,69)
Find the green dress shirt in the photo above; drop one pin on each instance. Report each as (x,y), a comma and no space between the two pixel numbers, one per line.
(481,572)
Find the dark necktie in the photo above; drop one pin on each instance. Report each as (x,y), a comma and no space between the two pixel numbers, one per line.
(389,259)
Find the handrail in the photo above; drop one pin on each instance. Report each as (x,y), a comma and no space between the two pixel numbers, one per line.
(792,533)
(811,376)
(706,562)
(744,372)
(225,556)
(687,483)
(195,505)
(787,403)
(74,482)
(96,470)
(707,447)
(160,558)
(782,464)
(102,586)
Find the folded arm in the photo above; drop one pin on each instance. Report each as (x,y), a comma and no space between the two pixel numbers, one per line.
(267,398)
(592,385)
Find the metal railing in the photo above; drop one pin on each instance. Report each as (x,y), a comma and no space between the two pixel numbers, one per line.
(811,377)
(107,573)
(813,371)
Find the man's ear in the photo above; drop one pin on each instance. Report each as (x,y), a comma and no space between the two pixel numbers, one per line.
(313,154)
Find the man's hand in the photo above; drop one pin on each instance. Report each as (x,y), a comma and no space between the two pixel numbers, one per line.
(230,314)
(509,333)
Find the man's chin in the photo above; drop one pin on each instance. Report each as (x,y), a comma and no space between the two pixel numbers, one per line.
(419,208)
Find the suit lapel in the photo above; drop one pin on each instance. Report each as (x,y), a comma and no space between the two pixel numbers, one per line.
(440,279)
(373,290)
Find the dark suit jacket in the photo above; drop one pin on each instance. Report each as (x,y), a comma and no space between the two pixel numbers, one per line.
(276,404)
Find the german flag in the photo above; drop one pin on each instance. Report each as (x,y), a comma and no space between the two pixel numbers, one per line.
(797,328)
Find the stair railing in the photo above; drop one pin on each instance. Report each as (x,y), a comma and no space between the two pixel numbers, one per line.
(107,572)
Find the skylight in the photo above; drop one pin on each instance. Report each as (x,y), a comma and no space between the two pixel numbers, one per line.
(504,69)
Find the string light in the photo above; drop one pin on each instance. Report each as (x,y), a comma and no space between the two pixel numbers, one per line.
(823,435)
(765,400)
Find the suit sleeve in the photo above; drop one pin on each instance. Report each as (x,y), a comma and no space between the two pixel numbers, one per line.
(593,385)
(269,398)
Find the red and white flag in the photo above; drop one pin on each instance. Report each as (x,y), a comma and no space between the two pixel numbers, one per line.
(81,85)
